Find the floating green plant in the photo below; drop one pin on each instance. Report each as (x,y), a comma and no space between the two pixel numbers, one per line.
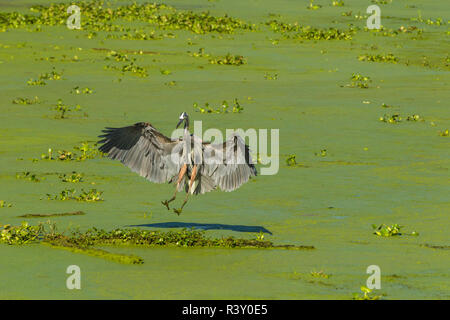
(224,108)
(69,194)
(62,109)
(390,231)
(366,295)
(73,177)
(78,90)
(378,58)
(17,235)
(381,1)
(359,81)
(26,175)
(268,76)
(321,153)
(26,101)
(53,75)
(313,6)
(291,160)
(320,274)
(87,150)
(395,118)
(414,117)
(200,53)
(4,204)
(229,59)
(99,17)
(337,3)
(295,31)
(384,105)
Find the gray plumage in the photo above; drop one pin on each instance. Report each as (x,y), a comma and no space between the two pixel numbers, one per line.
(159,159)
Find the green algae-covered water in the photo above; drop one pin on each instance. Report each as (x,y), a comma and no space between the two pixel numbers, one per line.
(326,96)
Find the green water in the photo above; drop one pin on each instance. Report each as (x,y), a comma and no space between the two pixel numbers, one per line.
(373,172)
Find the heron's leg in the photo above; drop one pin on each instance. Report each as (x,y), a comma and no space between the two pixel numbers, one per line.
(180,176)
(193,175)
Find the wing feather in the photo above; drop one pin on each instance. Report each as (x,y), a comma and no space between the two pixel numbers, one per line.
(228,164)
(144,150)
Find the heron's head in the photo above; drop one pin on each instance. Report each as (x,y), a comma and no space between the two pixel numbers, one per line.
(183,117)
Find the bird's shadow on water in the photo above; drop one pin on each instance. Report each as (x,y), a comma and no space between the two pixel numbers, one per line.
(205,226)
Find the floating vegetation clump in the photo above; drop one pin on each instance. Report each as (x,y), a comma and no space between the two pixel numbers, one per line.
(200,53)
(295,31)
(98,16)
(359,81)
(81,152)
(414,117)
(396,118)
(313,6)
(69,194)
(384,230)
(23,234)
(84,242)
(382,1)
(73,177)
(309,33)
(130,65)
(62,109)
(140,35)
(268,76)
(379,58)
(366,295)
(26,101)
(183,238)
(321,153)
(224,108)
(4,204)
(53,75)
(291,160)
(320,274)
(26,175)
(78,90)
(282,27)
(444,133)
(229,59)
(337,3)
(199,22)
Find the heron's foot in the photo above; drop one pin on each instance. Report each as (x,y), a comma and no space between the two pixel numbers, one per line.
(166,203)
(177,211)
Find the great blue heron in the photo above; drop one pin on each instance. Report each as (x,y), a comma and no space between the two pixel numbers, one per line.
(197,166)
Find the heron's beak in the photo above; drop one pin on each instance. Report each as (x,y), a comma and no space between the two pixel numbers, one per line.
(179,122)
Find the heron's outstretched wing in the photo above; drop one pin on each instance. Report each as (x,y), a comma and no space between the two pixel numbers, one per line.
(144,150)
(228,164)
